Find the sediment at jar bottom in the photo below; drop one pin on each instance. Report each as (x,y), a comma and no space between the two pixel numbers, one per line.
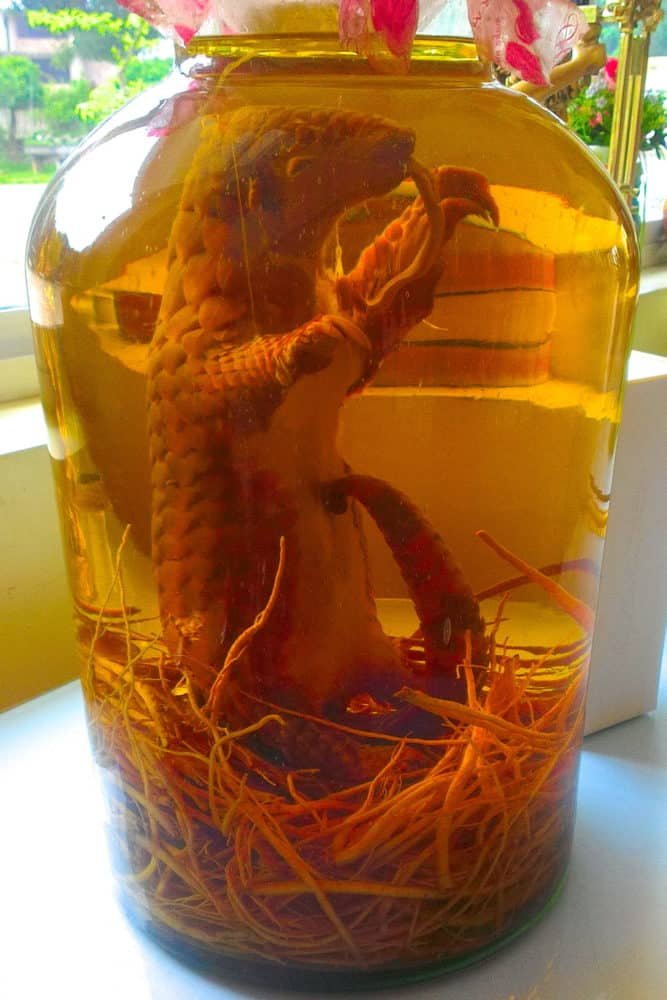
(258,972)
(449,847)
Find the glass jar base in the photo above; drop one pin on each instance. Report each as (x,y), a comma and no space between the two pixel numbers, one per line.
(255,972)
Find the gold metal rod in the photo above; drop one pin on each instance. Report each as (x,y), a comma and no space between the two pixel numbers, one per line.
(625,136)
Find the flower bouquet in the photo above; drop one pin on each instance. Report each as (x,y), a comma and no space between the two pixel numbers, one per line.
(590,113)
(525,37)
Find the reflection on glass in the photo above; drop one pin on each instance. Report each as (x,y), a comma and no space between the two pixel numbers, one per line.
(343,409)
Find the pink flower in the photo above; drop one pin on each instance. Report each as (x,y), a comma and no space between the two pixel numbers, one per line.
(595,120)
(368,25)
(526,37)
(179,18)
(177,111)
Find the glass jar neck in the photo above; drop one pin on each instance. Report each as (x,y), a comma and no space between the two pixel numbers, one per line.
(452,60)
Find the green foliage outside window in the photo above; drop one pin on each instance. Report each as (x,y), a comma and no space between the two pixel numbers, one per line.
(20,90)
(145,72)
(92,30)
(60,111)
(590,113)
(114,38)
(136,75)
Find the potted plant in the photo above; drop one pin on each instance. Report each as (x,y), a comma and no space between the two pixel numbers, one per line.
(590,114)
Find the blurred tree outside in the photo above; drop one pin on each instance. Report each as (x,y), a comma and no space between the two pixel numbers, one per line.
(60,112)
(92,31)
(20,90)
(98,30)
(135,75)
(109,55)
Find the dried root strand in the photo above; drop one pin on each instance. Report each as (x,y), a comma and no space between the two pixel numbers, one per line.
(217,844)
(577,610)
(451,853)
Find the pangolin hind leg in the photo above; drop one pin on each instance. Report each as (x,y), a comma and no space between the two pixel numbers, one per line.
(451,625)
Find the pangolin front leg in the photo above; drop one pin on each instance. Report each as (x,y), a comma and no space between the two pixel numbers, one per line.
(392,286)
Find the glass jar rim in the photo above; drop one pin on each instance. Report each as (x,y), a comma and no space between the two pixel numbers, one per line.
(451,56)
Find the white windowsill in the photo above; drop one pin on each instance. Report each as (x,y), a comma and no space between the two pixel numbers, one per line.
(62,930)
(21,426)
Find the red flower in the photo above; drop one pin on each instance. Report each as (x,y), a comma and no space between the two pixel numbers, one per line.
(609,73)
(611,68)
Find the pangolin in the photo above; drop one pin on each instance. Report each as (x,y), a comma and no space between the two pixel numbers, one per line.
(259,558)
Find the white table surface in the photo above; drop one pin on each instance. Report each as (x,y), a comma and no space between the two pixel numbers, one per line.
(63,938)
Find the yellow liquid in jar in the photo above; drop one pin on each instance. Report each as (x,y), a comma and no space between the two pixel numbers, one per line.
(438,847)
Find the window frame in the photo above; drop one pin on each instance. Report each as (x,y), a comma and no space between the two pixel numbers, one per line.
(18,371)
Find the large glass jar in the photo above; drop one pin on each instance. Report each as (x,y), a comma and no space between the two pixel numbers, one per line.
(331,364)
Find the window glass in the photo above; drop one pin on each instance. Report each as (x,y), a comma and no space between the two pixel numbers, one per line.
(63,69)
(653,161)
(656,161)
